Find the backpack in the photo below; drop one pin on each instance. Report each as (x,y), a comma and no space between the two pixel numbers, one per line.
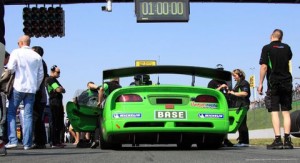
(7,82)
(88,97)
(112,85)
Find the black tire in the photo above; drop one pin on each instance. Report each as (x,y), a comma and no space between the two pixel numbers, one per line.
(106,145)
(116,146)
(184,146)
(209,146)
(295,123)
(211,141)
(103,144)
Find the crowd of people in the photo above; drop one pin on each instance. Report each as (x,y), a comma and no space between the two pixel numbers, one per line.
(28,86)
(32,84)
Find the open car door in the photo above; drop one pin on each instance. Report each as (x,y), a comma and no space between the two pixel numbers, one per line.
(83,118)
(236,116)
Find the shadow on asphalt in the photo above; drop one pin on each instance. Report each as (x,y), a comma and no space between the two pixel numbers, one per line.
(174,148)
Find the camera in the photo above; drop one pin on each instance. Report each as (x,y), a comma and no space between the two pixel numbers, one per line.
(108,6)
(267,101)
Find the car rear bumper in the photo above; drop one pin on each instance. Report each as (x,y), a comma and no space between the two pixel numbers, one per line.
(127,130)
(121,126)
(161,138)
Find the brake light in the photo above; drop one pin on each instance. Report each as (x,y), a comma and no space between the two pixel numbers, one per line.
(169,106)
(129,98)
(206,98)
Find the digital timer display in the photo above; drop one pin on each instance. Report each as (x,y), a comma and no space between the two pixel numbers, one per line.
(162,10)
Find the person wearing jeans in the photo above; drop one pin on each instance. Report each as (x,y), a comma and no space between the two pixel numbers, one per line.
(14,102)
(29,74)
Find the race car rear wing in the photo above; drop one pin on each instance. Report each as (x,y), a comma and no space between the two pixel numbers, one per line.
(169,69)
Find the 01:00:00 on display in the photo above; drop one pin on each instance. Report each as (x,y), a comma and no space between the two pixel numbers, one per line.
(162,8)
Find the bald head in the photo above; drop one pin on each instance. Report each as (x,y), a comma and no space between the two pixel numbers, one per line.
(277,35)
(24,40)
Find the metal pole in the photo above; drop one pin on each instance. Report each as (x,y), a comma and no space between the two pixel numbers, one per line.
(254,94)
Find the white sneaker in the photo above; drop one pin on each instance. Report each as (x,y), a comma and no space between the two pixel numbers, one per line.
(27,148)
(241,145)
(8,146)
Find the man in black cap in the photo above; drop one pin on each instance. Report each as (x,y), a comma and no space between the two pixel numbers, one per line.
(223,87)
(40,102)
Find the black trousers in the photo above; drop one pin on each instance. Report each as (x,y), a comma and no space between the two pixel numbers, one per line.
(244,132)
(3,116)
(96,135)
(38,127)
(57,127)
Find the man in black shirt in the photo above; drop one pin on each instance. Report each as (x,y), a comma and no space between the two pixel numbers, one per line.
(104,91)
(55,92)
(274,63)
(40,102)
(221,86)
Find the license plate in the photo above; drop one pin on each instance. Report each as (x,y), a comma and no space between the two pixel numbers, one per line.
(170,114)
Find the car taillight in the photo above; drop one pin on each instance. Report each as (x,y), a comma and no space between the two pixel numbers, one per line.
(129,98)
(206,98)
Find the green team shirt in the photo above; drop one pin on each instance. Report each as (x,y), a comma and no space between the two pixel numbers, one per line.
(52,84)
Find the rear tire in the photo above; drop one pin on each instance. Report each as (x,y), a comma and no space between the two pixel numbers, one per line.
(211,141)
(184,146)
(106,145)
(295,123)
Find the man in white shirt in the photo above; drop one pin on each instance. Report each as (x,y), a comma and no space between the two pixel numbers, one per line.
(29,74)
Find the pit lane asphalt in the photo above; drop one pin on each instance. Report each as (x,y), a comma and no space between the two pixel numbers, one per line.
(157,153)
(148,153)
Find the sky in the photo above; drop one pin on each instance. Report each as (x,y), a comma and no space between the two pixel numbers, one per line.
(231,34)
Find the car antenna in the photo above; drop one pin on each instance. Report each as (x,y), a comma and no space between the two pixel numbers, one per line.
(193,80)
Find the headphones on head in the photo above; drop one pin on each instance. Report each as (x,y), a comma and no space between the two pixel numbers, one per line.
(219,67)
(53,68)
(137,77)
(240,73)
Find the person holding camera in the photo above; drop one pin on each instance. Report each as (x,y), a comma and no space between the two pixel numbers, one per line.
(141,79)
(222,86)
(241,95)
(274,64)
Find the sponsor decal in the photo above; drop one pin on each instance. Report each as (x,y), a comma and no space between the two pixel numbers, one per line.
(210,115)
(205,105)
(127,115)
(170,114)
(279,47)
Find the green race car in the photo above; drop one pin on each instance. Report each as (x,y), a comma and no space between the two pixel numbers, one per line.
(161,114)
